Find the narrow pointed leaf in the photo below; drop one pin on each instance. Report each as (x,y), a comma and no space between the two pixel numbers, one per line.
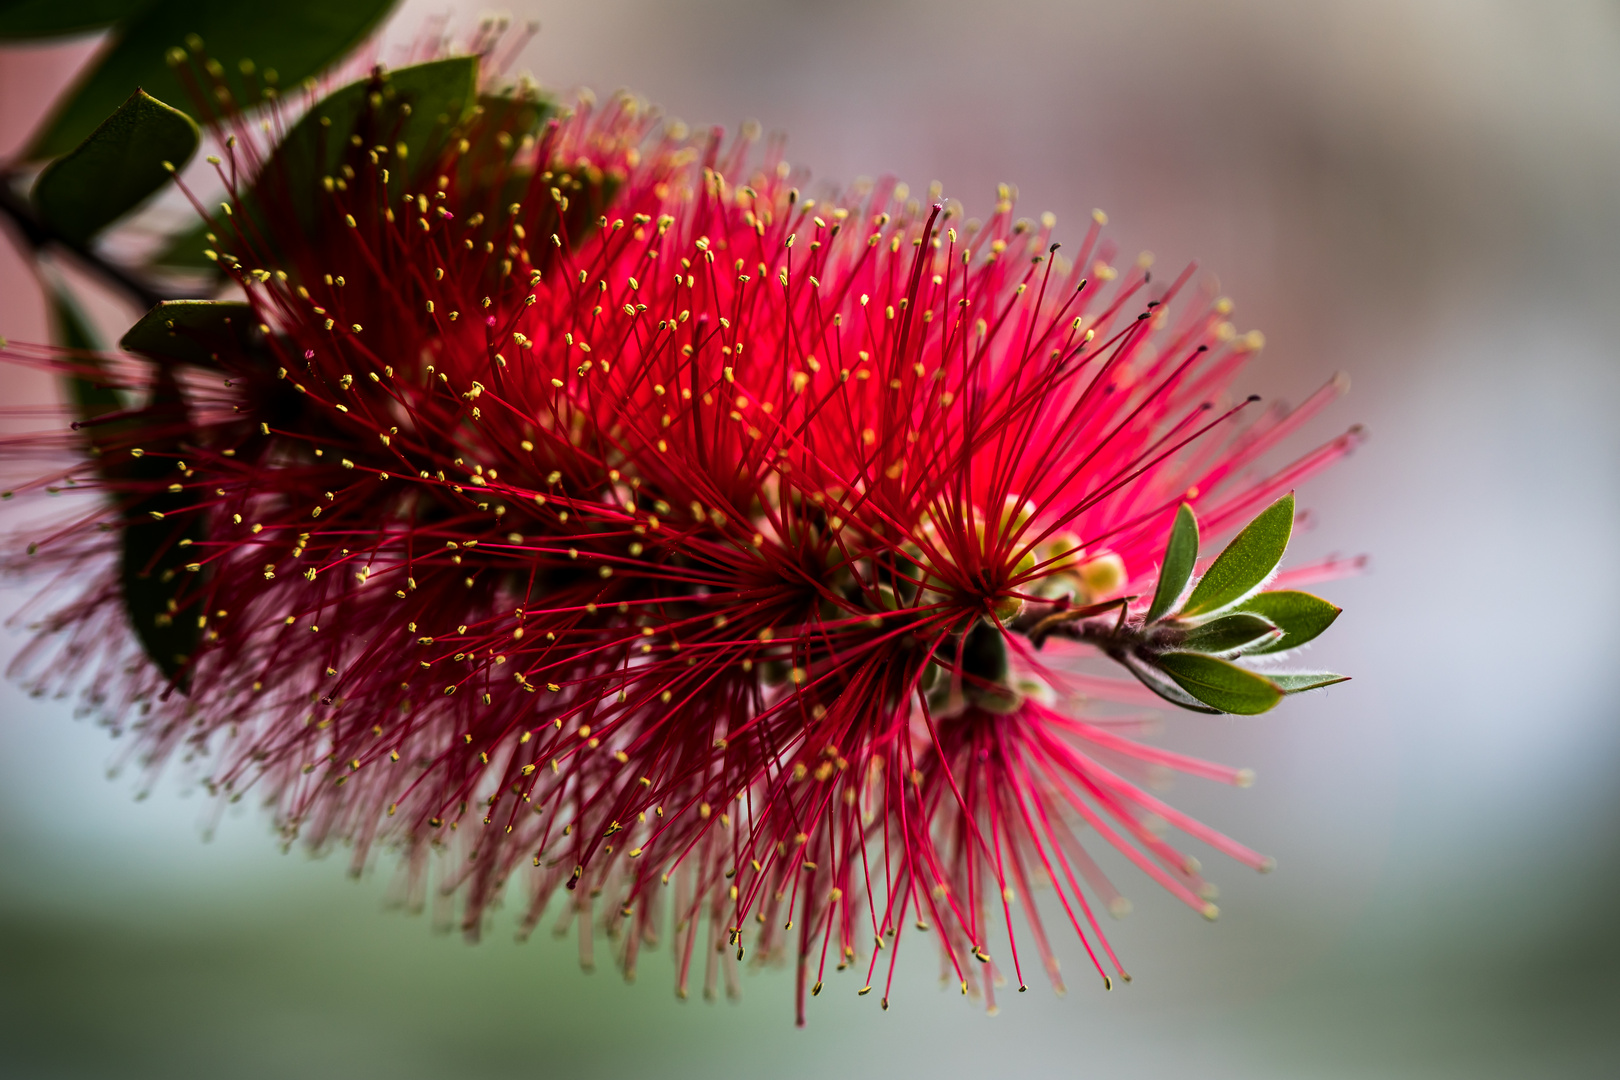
(1156,681)
(1229,633)
(1220,684)
(1180,555)
(193,331)
(1297,682)
(294,39)
(1299,615)
(1247,561)
(115,169)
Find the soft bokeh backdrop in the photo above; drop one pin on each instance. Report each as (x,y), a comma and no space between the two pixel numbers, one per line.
(1425,193)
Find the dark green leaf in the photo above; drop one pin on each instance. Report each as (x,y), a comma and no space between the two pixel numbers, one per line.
(1229,633)
(193,331)
(1156,681)
(1296,682)
(1247,561)
(70,327)
(984,655)
(90,395)
(1220,684)
(415,106)
(163,598)
(1300,616)
(293,39)
(152,565)
(23,19)
(1180,554)
(439,94)
(123,162)
(504,120)
(590,191)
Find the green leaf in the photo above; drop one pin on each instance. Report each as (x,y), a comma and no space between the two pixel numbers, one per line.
(162,598)
(1155,681)
(24,19)
(415,106)
(590,192)
(90,396)
(124,161)
(152,564)
(1229,633)
(1180,555)
(504,120)
(193,331)
(1247,561)
(1220,684)
(70,327)
(1297,682)
(280,44)
(1299,615)
(984,655)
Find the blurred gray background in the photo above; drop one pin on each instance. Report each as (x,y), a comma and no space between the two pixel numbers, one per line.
(1423,193)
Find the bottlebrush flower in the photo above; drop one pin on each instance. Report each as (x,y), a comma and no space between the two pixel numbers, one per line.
(579,503)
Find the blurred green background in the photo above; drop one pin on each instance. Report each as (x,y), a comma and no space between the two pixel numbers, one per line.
(1425,194)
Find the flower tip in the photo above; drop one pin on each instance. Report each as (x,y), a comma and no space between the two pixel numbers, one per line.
(1211,912)
(1119,907)
(1244,778)
(1267,865)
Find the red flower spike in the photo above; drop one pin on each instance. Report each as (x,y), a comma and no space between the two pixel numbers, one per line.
(694,550)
